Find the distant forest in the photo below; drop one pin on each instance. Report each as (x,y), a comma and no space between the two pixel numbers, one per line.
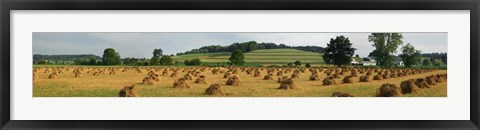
(250,46)
(38,58)
(435,55)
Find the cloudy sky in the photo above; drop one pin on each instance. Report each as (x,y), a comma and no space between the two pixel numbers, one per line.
(140,45)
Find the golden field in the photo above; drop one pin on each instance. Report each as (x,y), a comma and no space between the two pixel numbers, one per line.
(104,84)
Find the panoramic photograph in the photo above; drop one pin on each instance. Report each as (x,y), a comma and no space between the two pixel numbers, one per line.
(239,64)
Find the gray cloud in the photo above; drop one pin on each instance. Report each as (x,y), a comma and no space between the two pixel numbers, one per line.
(141,45)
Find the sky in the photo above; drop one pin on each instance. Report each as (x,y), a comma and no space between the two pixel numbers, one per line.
(141,45)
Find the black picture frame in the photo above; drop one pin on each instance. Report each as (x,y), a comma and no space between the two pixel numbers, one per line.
(7,5)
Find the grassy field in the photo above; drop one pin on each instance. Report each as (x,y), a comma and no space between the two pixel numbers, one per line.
(265,57)
(105,85)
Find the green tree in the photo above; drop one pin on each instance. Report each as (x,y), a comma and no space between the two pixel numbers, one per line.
(432,60)
(43,62)
(166,60)
(308,65)
(157,52)
(155,60)
(426,62)
(93,61)
(110,57)
(436,63)
(409,55)
(385,45)
(237,57)
(444,58)
(339,51)
(193,62)
(297,63)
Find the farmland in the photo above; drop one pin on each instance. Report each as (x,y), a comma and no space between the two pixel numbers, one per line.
(101,81)
(265,57)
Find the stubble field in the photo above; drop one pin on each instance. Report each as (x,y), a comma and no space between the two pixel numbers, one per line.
(98,82)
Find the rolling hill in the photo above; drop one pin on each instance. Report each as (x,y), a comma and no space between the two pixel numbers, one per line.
(265,57)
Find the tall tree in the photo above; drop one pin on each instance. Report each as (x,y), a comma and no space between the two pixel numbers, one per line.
(157,53)
(386,45)
(110,57)
(409,55)
(237,57)
(339,51)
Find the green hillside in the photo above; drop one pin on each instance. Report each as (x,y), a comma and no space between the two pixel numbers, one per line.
(265,57)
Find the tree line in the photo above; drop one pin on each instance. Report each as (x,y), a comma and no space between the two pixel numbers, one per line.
(248,47)
(339,51)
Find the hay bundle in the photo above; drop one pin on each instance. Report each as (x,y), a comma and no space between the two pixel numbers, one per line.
(368,73)
(215,89)
(268,77)
(421,83)
(440,78)
(249,72)
(174,74)
(281,79)
(155,77)
(336,75)
(78,75)
(287,84)
(147,80)
(408,86)
(257,74)
(329,81)
(280,73)
(234,80)
(393,75)
(400,74)
(165,72)
(314,77)
(96,73)
(128,91)
(389,90)
(365,78)
(113,72)
(295,75)
(180,83)
(353,73)
(151,72)
(235,71)
(215,71)
(227,75)
(342,94)
(431,80)
(348,79)
(53,75)
(202,79)
(377,77)
(385,76)
(188,76)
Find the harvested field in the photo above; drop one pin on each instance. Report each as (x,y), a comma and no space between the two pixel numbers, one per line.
(100,82)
